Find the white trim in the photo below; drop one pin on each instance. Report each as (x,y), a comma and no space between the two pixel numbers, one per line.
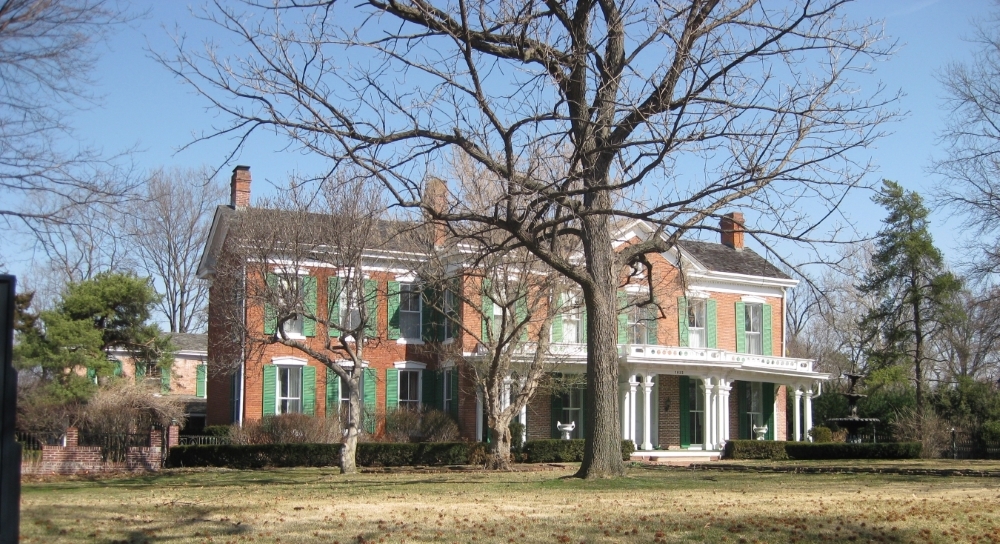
(752,299)
(347,363)
(409,365)
(410,341)
(697,293)
(288,360)
(409,278)
(287,270)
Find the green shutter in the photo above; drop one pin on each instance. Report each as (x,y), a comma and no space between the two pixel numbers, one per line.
(370,378)
(165,380)
(767,410)
(652,313)
(333,304)
(270,389)
(684,384)
(201,380)
(454,393)
(371,308)
(521,313)
(270,313)
(332,393)
(622,318)
(555,413)
(743,427)
(766,331)
(92,375)
(741,328)
(557,322)
(309,294)
(393,310)
(711,317)
(391,388)
(118,368)
(428,386)
(682,322)
(309,390)
(487,309)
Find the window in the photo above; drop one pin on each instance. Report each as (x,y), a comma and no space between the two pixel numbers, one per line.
(289,399)
(409,389)
(451,314)
(571,330)
(696,410)
(290,292)
(409,310)
(447,391)
(153,369)
(754,403)
(572,410)
(753,318)
(696,323)
(350,315)
(637,324)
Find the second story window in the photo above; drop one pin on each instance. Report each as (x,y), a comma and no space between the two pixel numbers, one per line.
(637,325)
(409,310)
(290,291)
(753,321)
(569,328)
(696,323)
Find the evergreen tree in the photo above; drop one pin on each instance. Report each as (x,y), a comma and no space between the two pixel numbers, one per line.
(909,279)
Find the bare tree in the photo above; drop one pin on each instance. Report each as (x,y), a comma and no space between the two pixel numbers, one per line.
(969,345)
(167,231)
(626,95)
(971,167)
(46,55)
(267,249)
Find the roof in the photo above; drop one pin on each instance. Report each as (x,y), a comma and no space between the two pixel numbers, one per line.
(722,258)
(189,342)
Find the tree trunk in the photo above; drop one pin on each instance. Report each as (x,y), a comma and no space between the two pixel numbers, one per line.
(602,454)
(349,451)
(499,445)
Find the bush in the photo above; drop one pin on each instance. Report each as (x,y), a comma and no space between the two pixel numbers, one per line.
(255,456)
(216,430)
(564,451)
(437,426)
(755,449)
(843,450)
(125,407)
(821,434)
(933,431)
(991,431)
(401,425)
(288,429)
(383,454)
(516,435)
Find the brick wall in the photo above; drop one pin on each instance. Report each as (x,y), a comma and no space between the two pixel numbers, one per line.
(670,421)
(540,416)
(75,459)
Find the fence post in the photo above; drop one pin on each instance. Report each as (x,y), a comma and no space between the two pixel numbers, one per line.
(72,437)
(155,438)
(173,435)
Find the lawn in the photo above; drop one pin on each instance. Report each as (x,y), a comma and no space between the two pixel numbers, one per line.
(651,505)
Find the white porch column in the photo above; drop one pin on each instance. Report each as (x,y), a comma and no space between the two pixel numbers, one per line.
(505,394)
(524,414)
(633,385)
(647,420)
(623,402)
(723,413)
(797,411)
(809,413)
(708,443)
(479,415)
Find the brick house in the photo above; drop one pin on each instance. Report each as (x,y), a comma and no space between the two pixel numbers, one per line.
(708,366)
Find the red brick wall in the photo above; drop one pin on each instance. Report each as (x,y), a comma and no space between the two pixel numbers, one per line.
(669,421)
(540,416)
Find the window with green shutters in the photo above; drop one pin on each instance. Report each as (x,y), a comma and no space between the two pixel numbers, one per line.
(201,380)
(697,322)
(289,389)
(753,328)
(299,324)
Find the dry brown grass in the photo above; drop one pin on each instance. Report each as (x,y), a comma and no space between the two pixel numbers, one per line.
(651,505)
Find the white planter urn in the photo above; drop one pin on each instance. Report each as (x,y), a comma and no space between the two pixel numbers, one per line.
(565,429)
(760,432)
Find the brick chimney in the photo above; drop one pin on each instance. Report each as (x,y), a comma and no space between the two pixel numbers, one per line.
(240,188)
(732,230)
(436,199)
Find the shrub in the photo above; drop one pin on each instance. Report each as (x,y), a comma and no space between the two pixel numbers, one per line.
(564,451)
(755,449)
(217,430)
(437,426)
(401,425)
(125,407)
(384,454)
(288,429)
(821,434)
(843,450)
(516,435)
(933,431)
(254,456)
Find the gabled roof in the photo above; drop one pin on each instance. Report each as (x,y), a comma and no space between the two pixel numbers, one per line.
(721,258)
(189,342)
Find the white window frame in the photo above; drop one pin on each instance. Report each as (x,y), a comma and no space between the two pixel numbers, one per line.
(412,376)
(447,394)
(293,328)
(451,328)
(638,326)
(407,290)
(288,375)
(753,316)
(572,314)
(348,311)
(697,310)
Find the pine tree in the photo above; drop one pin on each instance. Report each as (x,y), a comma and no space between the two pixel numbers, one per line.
(910,280)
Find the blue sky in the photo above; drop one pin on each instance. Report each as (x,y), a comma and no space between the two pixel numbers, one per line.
(143,105)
